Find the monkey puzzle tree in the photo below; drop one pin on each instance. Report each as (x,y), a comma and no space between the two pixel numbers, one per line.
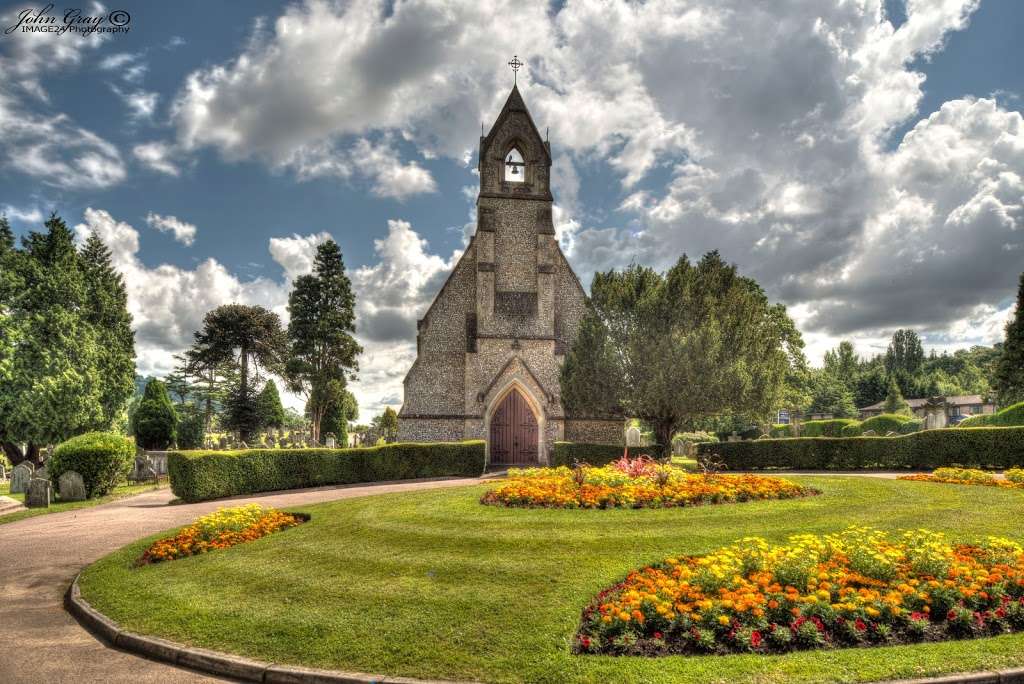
(250,338)
(671,349)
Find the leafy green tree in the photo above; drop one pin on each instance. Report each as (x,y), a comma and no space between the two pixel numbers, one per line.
(1009,372)
(672,349)
(10,284)
(843,364)
(155,422)
(191,426)
(268,404)
(248,338)
(322,349)
(50,385)
(904,360)
(386,425)
(107,312)
(831,395)
(894,401)
(872,384)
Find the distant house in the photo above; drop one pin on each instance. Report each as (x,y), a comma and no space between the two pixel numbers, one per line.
(941,410)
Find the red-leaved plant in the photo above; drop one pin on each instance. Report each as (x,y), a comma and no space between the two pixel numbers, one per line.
(641,466)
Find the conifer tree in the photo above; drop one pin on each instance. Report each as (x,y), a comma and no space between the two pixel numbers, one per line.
(155,422)
(50,388)
(1009,373)
(268,405)
(322,349)
(894,401)
(107,312)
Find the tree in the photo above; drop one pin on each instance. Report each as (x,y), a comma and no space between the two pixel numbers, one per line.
(155,422)
(342,410)
(1008,380)
(831,395)
(843,364)
(50,386)
(268,405)
(386,425)
(247,337)
(107,312)
(904,360)
(894,401)
(191,426)
(872,384)
(672,349)
(322,348)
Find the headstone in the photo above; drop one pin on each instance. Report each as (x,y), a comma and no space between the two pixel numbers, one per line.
(42,473)
(20,477)
(734,437)
(633,436)
(330,441)
(39,493)
(71,486)
(222,443)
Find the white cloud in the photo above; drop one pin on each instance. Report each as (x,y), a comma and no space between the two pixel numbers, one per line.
(378,162)
(141,103)
(183,232)
(158,156)
(23,214)
(295,254)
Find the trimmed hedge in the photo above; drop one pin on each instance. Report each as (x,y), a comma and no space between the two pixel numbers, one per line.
(980,447)
(568,453)
(1010,416)
(852,430)
(884,423)
(102,459)
(826,428)
(781,430)
(201,475)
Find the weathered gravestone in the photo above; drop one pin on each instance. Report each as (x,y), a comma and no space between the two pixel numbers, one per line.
(20,477)
(633,436)
(39,493)
(329,440)
(144,470)
(71,486)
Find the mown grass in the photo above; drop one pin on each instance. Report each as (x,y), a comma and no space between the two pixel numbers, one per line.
(120,492)
(433,584)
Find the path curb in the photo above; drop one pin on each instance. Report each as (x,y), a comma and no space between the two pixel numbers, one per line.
(212,662)
(237,667)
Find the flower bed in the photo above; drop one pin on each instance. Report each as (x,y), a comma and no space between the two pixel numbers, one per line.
(856,588)
(219,530)
(636,483)
(971,476)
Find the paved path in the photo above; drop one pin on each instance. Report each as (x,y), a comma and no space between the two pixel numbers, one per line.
(40,556)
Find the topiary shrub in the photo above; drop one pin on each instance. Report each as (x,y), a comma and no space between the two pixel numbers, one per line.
(885,423)
(825,428)
(991,447)
(779,430)
(201,475)
(101,458)
(912,425)
(154,422)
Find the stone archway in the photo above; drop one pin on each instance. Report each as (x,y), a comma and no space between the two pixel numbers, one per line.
(514,430)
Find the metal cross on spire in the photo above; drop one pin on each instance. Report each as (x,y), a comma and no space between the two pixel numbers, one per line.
(515,64)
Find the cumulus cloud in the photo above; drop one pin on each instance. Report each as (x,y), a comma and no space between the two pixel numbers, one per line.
(295,254)
(378,162)
(183,232)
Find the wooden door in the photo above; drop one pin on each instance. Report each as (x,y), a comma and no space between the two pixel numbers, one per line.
(514,432)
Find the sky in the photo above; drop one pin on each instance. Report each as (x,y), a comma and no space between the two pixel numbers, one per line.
(863,160)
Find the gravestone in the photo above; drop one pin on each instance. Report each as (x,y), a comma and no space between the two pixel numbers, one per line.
(144,470)
(20,477)
(222,443)
(633,437)
(330,440)
(71,486)
(39,493)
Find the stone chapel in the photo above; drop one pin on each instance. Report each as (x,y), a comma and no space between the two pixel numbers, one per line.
(491,345)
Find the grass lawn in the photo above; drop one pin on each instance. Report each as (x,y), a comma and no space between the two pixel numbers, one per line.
(120,492)
(433,584)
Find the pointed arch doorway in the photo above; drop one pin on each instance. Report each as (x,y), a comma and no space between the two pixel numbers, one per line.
(514,434)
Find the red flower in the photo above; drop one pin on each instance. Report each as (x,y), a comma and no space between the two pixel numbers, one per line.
(859,625)
(951,615)
(755,638)
(658,635)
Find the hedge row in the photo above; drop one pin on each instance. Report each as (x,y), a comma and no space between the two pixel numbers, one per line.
(201,475)
(1010,416)
(568,453)
(832,427)
(978,447)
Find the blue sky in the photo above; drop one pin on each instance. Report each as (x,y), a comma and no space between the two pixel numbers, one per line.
(862,161)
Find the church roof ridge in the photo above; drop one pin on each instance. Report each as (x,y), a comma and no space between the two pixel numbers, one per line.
(515,103)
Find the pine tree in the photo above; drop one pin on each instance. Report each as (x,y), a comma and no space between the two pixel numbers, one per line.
(50,388)
(268,405)
(894,401)
(341,410)
(1009,373)
(107,311)
(320,332)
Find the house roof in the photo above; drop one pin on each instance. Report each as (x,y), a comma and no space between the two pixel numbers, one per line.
(959,400)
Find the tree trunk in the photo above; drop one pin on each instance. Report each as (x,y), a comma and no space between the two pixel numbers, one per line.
(13,452)
(664,428)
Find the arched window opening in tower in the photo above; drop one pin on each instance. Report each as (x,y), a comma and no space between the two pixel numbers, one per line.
(515,167)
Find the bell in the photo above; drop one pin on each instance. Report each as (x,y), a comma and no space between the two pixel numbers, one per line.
(515,170)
